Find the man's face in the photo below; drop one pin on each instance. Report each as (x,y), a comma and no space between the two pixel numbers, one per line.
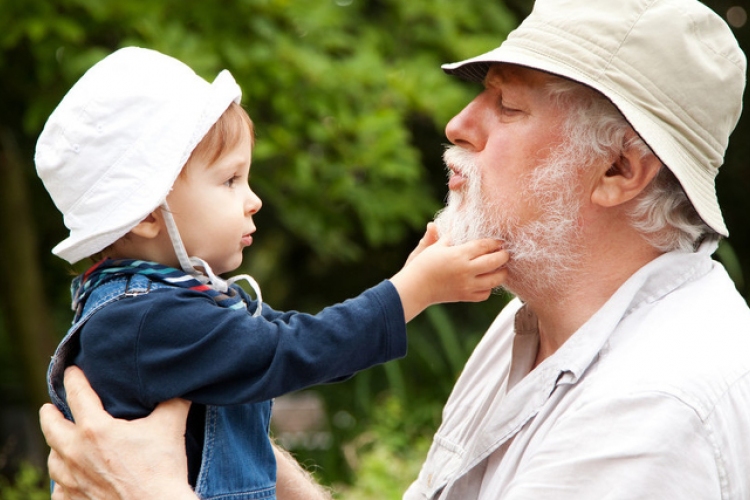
(509,179)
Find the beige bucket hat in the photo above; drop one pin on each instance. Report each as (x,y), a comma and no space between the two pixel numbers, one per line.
(672,67)
(112,149)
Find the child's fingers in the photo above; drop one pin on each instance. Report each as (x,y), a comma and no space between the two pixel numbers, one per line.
(475,248)
(484,283)
(431,235)
(480,295)
(429,238)
(492,279)
(489,283)
(489,262)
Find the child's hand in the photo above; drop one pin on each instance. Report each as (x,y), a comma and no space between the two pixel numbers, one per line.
(437,272)
(430,237)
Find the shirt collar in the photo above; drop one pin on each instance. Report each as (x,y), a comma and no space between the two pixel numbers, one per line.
(652,282)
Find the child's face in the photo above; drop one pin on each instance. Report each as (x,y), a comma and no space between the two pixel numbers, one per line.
(213,207)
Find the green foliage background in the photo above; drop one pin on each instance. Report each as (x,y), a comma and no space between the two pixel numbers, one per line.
(349,105)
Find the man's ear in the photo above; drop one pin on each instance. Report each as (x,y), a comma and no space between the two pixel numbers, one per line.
(625,178)
(150,227)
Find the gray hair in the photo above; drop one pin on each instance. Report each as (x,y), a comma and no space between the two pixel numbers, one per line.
(662,213)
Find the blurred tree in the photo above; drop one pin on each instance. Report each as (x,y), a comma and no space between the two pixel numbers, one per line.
(348,107)
(28,323)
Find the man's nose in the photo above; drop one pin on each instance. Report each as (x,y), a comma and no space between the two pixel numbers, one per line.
(469,127)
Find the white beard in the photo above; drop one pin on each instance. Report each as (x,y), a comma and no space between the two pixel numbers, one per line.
(543,252)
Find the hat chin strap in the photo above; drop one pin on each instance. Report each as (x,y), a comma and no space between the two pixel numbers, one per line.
(207,276)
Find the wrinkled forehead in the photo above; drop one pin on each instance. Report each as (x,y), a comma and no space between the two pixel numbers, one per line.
(521,81)
(499,73)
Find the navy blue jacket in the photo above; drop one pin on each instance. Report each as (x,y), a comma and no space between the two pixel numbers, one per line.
(141,344)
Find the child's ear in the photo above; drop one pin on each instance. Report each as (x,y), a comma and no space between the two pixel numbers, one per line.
(625,178)
(150,227)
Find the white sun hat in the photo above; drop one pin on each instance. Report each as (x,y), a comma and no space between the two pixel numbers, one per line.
(672,67)
(112,149)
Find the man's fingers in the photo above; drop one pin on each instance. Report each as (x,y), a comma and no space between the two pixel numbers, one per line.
(58,493)
(170,414)
(55,466)
(81,398)
(58,472)
(53,425)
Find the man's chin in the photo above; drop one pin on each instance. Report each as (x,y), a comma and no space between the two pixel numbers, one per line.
(456,227)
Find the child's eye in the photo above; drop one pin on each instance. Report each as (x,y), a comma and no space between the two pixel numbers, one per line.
(231,181)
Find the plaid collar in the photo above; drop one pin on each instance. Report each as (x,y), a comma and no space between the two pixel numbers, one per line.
(108,269)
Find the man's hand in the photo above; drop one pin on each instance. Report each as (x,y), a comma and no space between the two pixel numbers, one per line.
(102,457)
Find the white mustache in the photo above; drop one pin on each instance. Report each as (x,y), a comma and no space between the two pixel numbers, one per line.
(461,159)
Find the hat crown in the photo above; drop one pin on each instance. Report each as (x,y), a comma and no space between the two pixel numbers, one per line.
(675,53)
(112,149)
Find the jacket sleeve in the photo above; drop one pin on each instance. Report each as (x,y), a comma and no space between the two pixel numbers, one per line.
(179,343)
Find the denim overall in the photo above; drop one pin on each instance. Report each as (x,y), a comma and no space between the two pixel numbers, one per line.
(237,460)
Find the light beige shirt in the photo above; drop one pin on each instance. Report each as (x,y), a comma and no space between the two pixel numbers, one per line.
(650,399)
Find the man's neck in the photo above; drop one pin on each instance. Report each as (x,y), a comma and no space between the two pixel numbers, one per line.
(561,313)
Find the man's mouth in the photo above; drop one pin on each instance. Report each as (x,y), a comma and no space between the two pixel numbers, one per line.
(456,180)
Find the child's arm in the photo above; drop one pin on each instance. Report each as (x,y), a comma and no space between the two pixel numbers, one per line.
(436,272)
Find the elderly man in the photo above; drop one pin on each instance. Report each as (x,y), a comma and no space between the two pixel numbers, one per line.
(623,368)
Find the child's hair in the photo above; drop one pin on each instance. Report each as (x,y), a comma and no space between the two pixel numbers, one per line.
(225,134)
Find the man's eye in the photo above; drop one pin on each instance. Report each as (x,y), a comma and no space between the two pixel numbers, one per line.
(507,109)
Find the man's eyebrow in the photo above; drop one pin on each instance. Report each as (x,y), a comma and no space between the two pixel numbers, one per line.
(492,80)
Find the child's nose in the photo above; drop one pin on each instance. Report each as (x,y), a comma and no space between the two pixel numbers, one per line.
(253,203)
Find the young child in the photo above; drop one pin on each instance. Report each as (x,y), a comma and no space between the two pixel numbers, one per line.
(149,165)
